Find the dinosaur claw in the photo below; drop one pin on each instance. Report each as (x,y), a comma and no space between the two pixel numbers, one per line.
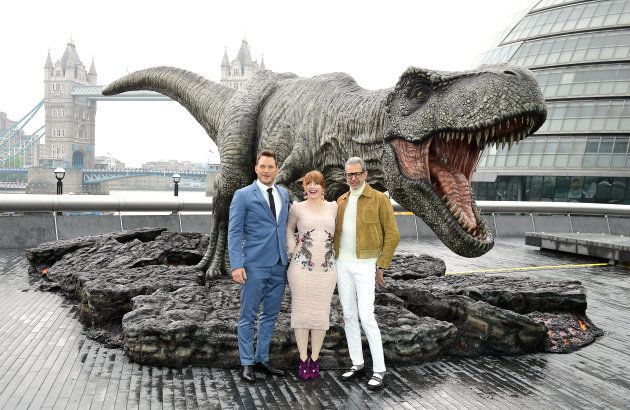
(212,273)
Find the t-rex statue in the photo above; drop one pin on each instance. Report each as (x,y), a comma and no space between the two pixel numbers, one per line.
(421,140)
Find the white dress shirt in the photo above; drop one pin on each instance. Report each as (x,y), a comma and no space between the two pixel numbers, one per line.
(348,240)
(276,196)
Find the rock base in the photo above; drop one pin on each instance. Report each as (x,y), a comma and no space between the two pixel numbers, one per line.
(139,289)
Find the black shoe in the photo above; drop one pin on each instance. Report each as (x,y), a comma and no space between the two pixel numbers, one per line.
(377,382)
(353,373)
(247,374)
(265,367)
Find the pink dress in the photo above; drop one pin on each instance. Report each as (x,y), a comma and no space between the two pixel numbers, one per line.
(312,272)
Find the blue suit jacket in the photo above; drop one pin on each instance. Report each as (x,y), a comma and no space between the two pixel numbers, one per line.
(255,239)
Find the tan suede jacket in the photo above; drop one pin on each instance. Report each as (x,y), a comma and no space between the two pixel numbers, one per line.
(377,232)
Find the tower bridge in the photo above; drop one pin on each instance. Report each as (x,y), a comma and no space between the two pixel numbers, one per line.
(101,181)
(97,176)
(71,93)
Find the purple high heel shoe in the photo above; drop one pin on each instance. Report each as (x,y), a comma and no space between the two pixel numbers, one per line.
(304,369)
(313,369)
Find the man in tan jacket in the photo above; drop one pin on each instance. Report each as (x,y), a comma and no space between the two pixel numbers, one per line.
(366,236)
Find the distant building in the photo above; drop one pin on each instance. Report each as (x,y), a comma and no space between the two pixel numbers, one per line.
(105,162)
(241,69)
(70,120)
(173,165)
(579,52)
(12,152)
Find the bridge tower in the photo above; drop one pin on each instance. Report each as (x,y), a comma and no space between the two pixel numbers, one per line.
(241,69)
(70,120)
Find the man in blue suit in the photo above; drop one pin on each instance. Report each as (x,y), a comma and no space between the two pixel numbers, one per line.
(258,259)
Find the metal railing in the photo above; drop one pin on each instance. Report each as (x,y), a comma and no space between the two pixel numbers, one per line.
(114,203)
(491,209)
(576,208)
(568,209)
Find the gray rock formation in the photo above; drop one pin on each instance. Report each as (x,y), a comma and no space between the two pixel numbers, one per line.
(104,272)
(516,293)
(411,266)
(47,254)
(147,277)
(197,324)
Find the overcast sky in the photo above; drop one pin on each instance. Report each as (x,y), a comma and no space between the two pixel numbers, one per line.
(374,41)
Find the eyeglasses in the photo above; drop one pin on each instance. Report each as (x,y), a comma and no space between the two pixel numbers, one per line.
(350,175)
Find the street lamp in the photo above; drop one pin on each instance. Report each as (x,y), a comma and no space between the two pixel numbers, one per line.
(176,179)
(59,174)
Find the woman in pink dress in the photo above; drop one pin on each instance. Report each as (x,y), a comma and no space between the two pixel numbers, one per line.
(312,272)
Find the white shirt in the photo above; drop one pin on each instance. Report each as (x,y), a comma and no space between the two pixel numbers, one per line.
(348,241)
(276,196)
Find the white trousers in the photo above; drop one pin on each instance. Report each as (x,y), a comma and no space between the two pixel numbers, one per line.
(355,285)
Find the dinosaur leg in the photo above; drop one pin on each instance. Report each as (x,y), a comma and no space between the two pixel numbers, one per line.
(204,263)
(214,261)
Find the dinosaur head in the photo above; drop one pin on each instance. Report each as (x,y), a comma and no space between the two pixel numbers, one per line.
(436,126)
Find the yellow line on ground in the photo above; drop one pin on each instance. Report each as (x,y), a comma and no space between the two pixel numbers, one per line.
(583,265)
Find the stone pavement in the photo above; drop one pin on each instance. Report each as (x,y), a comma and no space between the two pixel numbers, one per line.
(46,360)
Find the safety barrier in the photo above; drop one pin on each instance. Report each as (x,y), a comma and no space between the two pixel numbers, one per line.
(32,219)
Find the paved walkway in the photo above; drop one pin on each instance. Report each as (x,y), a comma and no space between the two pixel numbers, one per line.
(47,362)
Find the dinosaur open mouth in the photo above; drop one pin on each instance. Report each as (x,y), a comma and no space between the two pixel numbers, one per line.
(448,158)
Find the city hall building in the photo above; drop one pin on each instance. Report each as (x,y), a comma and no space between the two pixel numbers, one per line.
(579,52)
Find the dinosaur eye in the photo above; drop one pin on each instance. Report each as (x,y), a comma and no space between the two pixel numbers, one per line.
(419,92)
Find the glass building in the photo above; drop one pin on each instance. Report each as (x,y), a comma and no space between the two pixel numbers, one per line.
(580,53)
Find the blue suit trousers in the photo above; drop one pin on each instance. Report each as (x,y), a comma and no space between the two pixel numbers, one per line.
(264,285)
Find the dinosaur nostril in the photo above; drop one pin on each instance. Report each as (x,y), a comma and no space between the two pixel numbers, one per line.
(510,73)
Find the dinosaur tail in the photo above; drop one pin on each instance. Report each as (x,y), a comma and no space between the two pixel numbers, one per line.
(203,98)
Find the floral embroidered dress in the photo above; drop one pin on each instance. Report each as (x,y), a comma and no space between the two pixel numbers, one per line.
(312,270)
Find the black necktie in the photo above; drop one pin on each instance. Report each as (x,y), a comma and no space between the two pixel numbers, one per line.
(272,203)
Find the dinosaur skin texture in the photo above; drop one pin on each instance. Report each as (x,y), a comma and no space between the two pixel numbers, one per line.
(421,140)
